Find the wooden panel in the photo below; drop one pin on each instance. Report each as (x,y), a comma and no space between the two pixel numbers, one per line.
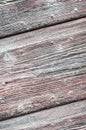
(42,69)
(67,117)
(22,15)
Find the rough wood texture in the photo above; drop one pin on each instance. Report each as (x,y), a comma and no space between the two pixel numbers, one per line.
(22,15)
(67,117)
(43,68)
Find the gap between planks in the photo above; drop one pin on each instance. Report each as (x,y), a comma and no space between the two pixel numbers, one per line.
(67,117)
(45,26)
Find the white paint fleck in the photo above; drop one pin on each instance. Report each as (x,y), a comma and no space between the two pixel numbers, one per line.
(60,48)
(20,107)
(52,124)
(53,97)
(75,10)
(70,92)
(69,120)
(37,104)
(52,42)
(57,103)
(22,23)
(2,100)
(3,83)
(70,38)
(52,16)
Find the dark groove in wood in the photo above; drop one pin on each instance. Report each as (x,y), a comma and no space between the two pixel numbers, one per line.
(66,117)
(45,26)
(43,109)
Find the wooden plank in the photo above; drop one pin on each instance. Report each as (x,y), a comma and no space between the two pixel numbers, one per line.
(23,15)
(42,69)
(67,117)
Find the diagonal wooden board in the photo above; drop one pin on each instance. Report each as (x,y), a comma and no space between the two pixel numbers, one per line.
(66,117)
(18,16)
(42,69)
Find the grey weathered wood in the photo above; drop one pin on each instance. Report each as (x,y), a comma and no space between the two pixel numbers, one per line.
(22,15)
(43,68)
(67,117)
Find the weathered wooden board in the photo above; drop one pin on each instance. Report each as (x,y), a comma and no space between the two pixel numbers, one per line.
(22,15)
(42,68)
(67,117)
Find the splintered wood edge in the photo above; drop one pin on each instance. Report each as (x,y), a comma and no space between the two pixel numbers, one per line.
(67,117)
(24,15)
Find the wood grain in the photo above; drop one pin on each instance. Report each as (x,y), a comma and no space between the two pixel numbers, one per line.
(22,15)
(42,69)
(67,117)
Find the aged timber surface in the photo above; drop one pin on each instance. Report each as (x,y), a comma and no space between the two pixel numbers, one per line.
(43,68)
(22,15)
(67,117)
